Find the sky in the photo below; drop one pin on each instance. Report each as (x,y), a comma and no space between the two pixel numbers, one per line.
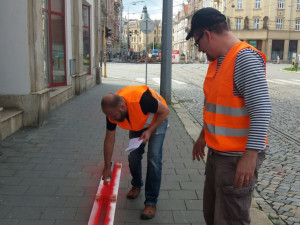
(154,8)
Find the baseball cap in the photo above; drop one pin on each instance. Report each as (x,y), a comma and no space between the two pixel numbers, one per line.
(205,17)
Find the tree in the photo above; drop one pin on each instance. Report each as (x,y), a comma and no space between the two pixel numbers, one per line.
(157,45)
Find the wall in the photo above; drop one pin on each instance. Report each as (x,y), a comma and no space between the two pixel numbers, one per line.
(14,64)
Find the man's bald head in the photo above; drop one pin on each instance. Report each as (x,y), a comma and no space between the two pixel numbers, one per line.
(111,100)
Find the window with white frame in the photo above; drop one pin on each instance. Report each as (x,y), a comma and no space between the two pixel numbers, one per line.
(297,25)
(238,24)
(256,23)
(298,4)
(239,4)
(279,22)
(280,4)
(257,4)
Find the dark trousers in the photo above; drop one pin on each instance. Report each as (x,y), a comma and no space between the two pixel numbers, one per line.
(224,204)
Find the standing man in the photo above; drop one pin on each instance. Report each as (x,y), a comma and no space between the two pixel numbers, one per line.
(143,112)
(236,116)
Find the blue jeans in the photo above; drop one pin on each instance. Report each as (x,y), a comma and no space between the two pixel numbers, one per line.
(154,163)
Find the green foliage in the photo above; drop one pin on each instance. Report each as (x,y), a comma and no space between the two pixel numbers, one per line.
(157,45)
(290,69)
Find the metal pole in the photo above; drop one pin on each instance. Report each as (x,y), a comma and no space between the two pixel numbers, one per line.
(146,49)
(166,63)
(121,34)
(101,39)
(104,40)
(127,35)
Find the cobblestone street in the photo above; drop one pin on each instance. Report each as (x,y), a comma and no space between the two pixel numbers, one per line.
(278,187)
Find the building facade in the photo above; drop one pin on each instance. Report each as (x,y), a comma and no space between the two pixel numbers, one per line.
(136,39)
(273,27)
(52,52)
(180,26)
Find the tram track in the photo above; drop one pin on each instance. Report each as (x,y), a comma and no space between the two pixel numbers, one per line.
(285,135)
(197,85)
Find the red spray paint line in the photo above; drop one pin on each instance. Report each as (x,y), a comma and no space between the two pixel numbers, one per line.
(103,210)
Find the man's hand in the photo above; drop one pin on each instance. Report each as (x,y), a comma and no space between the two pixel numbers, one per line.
(106,173)
(145,136)
(245,169)
(198,149)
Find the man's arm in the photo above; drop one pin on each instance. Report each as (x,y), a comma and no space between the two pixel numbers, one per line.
(251,84)
(199,146)
(162,114)
(109,142)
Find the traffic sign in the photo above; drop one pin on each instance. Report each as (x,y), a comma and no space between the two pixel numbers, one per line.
(147,26)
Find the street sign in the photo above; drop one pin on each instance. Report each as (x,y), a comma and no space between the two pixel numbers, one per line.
(147,26)
(108,42)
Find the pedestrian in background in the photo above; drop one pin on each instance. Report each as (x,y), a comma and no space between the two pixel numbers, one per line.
(293,63)
(236,117)
(143,112)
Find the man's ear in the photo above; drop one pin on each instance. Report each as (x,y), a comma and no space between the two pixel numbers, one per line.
(208,34)
(123,106)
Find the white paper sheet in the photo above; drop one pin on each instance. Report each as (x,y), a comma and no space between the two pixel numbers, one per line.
(134,143)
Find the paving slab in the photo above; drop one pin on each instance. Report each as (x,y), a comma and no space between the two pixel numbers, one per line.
(50,175)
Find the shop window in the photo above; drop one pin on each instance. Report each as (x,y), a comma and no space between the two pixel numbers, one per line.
(53,22)
(86,39)
(293,44)
(277,49)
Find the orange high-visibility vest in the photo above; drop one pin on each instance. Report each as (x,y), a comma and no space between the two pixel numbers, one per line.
(138,120)
(226,120)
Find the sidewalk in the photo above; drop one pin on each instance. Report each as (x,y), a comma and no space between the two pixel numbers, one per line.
(49,176)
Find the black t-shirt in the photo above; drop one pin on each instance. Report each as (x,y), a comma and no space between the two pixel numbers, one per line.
(148,104)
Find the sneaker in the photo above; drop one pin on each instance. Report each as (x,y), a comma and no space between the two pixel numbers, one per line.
(148,212)
(133,193)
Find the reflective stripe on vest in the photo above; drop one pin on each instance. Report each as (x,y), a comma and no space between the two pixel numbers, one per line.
(149,120)
(224,131)
(225,110)
(157,96)
(151,115)
(226,120)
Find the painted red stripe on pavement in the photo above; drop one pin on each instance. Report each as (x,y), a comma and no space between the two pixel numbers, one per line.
(103,210)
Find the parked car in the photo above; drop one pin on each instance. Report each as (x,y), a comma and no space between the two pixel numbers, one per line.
(136,55)
(155,53)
